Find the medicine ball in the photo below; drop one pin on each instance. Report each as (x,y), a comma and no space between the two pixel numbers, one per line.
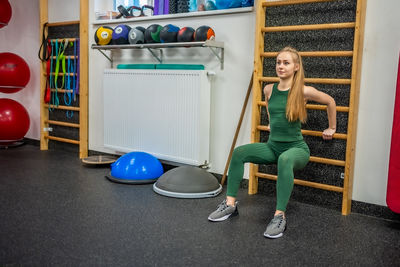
(120,34)
(169,33)
(152,34)
(185,34)
(204,33)
(103,35)
(140,28)
(136,36)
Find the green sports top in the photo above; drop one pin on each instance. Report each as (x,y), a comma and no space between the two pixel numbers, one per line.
(282,130)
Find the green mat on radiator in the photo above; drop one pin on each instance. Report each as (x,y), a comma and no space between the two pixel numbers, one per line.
(161,66)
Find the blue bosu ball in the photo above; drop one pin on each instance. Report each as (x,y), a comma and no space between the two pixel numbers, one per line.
(136,168)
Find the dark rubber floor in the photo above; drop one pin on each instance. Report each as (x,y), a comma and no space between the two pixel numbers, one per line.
(55,211)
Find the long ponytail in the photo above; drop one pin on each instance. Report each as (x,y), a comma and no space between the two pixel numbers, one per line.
(295,107)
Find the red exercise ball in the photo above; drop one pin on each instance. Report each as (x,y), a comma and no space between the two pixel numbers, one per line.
(14,73)
(14,120)
(5,13)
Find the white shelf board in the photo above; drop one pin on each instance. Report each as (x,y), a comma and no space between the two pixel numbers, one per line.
(175,16)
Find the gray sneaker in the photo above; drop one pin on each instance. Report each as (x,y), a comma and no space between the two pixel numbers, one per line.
(223,212)
(276,227)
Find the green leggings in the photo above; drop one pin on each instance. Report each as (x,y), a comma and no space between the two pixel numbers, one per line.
(289,156)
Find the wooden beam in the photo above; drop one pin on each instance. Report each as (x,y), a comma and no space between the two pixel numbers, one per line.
(303,182)
(83,77)
(308,132)
(327,161)
(62,123)
(60,139)
(293,2)
(44,112)
(353,104)
(62,107)
(314,54)
(258,70)
(62,23)
(310,80)
(313,107)
(310,27)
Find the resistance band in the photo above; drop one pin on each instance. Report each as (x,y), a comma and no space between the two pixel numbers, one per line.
(47,93)
(69,84)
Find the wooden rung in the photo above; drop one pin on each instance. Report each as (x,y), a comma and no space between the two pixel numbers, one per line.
(310,80)
(63,39)
(313,107)
(303,182)
(61,74)
(56,24)
(314,54)
(72,57)
(309,27)
(63,107)
(309,132)
(319,134)
(335,162)
(323,107)
(61,90)
(292,2)
(61,123)
(65,140)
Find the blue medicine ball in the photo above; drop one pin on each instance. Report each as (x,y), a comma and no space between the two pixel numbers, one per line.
(120,34)
(169,33)
(136,167)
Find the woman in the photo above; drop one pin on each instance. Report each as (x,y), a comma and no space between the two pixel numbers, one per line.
(286,111)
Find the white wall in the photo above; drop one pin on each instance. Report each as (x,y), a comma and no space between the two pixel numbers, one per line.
(379,72)
(61,10)
(21,37)
(378,84)
(229,86)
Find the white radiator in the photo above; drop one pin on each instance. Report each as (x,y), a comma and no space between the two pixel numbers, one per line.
(162,112)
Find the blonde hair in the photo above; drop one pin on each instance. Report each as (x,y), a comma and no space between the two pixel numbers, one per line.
(295,107)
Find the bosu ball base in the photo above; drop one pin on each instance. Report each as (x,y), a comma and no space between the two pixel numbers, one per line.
(130,181)
(187,182)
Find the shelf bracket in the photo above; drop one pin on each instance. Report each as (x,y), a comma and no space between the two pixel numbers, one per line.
(109,59)
(159,58)
(217,48)
(220,56)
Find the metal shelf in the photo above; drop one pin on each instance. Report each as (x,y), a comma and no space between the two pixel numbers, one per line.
(217,48)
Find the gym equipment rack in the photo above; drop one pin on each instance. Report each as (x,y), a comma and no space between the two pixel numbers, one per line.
(45,121)
(353,82)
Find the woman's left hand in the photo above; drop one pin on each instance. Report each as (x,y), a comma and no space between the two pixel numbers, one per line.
(328,133)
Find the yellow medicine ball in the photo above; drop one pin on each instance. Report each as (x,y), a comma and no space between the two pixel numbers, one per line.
(103,35)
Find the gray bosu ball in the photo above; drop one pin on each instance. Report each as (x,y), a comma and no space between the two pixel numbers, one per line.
(187,182)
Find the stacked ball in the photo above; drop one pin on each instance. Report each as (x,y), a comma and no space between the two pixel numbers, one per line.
(169,33)
(155,33)
(204,33)
(152,34)
(120,34)
(136,35)
(103,35)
